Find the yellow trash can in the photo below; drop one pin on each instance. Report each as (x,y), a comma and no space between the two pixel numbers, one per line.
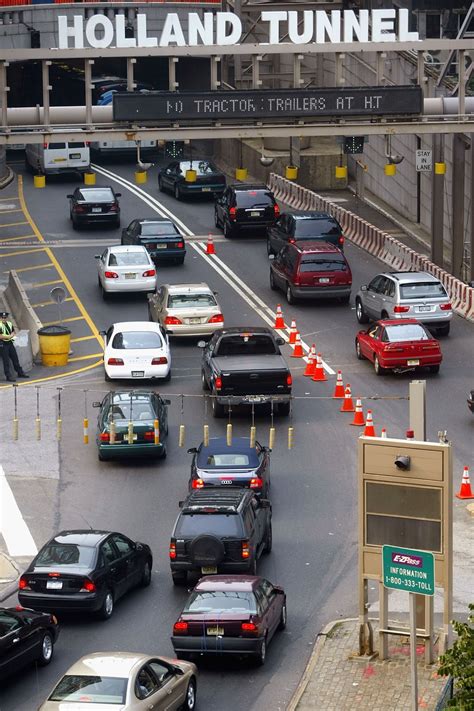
(341,172)
(141,176)
(55,342)
(390,169)
(291,172)
(39,181)
(241,173)
(89,178)
(190,176)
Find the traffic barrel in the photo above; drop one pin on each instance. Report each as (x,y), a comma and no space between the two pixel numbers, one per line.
(465,492)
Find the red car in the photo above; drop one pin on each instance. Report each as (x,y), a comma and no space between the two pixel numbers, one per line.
(399,345)
(230,614)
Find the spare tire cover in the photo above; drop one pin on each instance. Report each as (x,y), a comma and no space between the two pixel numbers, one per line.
(206,550)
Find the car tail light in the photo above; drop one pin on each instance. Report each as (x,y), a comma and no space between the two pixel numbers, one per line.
(45,145)
(341,239)
(79,208)
(111,275)
(162,360)
(88,586)
(289,379)
(233,213)
(217,318)
(245,550)
(276,210)
(104,437)
(445,307)
(115,361)
(180,627)
(400,309)
(292,240)
(172,321)
(149,436)
(430,346)
(149,273)
(218,383)
(180,245)
(172,551)
(23,584)
(197,484)
(114,207)
(54,575)
(256,483)
(249,627)
(393,349)
(87,143)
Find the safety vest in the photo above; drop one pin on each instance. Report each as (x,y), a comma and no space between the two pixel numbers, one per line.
(6,329)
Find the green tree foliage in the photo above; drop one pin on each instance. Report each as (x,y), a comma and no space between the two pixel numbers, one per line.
(459,663)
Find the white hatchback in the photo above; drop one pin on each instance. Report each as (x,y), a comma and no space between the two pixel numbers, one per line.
(123,268)
(136,350)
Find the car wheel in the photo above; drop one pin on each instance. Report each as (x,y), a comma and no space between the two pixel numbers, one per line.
(434,369)
(284,409)
(105,294)
(269,540)
(344,299)
(444,330)
(179,578)
(150,317)
(358,350)
(262,655)
(218,410)
(47,649)
(273,285)
(146,575)
(228,231)
(160,184)
(180,260)
(75,226)
(107,607)
(164,453)
(107,378)
(253,567)
(216,219)
(190,701)
(204,383)
(289,295)
(360,313)
(378,368)
(269,248)
(384,315)
(100,457)
(283,618)
(177,192)
(167,377)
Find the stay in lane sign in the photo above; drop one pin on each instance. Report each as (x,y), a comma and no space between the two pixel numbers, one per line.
(408,569)
(424,161)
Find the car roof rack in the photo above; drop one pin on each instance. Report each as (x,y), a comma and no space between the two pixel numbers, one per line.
(216,499)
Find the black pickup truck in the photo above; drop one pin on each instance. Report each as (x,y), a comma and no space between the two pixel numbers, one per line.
(244,366)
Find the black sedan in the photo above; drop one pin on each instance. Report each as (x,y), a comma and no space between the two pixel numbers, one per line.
(161,238)
(25,637)
(237,465)
(191,177)
(88,206)
(300,226)
(85,571)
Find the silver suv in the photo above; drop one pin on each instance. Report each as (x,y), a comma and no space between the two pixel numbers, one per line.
(405,295)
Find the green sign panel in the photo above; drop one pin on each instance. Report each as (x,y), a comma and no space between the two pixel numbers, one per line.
(409,570)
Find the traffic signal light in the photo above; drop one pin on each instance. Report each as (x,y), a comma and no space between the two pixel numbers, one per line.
(174,149)
(354,144)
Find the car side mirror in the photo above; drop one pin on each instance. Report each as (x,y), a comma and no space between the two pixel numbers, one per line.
(178,671)
(266,449)
(215,293)
(180,504)
(192,450)
(118,194)
(201,344)
(102,333)
(363,287)
(271,257)
(280,341)
(96,404)
(69,196)
(96,256)
(278,591)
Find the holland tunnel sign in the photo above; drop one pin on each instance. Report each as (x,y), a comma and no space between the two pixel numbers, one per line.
(262,103)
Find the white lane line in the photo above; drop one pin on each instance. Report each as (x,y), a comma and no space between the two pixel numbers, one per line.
(13,528)
(262,309)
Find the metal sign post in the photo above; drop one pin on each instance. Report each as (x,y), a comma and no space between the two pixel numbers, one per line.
(413,669)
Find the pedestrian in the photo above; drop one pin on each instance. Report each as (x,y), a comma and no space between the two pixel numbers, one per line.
(8,350)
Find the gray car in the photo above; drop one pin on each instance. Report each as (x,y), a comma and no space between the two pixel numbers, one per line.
(407,294)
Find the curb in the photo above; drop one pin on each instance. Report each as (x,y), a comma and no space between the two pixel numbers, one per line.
(10,589)
(7,179)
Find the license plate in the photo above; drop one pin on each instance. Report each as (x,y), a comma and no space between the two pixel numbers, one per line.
(253,398)
(138,373)
(194,320)
(324,280)
(215,631)
(206,190)
(413,362)
(96,209)
(59,160)
(424,308)
(161,246)
(255,214)
(75,156)
(130,276)
(54,585)
(209,570)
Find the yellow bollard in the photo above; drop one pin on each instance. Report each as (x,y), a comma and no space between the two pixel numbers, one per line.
(59,429)
(85,430)
(39,181)
(390,169)
(291,437)
(112,433)
(15,428)
(271,438)
(206,436)
(229,434)
(38,428)
(291,172)
(156,428)
(253,435)
(130,433)
(190,176)
(89,178)
(141,177)
(241,173)
(181,436)
(440,168)
(341,172)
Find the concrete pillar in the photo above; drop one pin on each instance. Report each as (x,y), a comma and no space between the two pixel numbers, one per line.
(457,241)
(437,203)
(472,208)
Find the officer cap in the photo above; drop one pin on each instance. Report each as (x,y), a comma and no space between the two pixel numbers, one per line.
(4,314)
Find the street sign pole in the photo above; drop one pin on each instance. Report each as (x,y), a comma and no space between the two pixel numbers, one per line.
(413,667)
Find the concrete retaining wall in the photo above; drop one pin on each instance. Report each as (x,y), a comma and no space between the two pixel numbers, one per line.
(19,306)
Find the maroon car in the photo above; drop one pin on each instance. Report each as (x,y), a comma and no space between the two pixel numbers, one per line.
(230,614)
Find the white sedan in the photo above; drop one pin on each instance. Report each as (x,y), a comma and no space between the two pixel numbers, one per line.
(136,350)
(125,268)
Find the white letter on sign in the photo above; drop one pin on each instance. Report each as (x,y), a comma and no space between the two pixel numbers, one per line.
(308,27)
(120,39)
(76,32)
(142,38)
(403,34)
(172,31)
(224,18)
(356,26)
(200,31)
(274,18)
(383,20)
(332,27)
(99,22)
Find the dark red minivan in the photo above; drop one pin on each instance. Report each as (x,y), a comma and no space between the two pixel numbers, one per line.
(311,270)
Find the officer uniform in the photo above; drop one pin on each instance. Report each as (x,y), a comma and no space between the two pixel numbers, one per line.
(7,348)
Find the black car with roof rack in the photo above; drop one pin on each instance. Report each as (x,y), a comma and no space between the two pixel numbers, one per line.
(244,206)
(220,530)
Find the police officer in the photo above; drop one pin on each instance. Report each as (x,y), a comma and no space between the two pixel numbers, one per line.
(7,348)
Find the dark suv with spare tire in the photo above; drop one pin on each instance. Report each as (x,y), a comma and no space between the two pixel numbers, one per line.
(220,531)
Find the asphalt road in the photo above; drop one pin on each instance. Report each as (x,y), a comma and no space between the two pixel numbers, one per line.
(313,486)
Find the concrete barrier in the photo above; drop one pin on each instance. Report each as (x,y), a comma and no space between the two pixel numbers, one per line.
(375,241)
(22,312)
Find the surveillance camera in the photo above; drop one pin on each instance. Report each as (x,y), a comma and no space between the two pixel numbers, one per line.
(402,462)
(266,161)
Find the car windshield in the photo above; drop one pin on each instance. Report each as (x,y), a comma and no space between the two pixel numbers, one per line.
(323,264)
(208,459)
(105,195)
(90,689)
(202,167)
(54,554)
(140,340)
(316,227)
(193,301)
(222,601)
(216,524)
(126,259)
(254,198)
(246,344)
(157,229)
(406,332)
(423,290)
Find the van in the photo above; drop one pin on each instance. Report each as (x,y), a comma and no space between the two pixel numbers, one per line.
(58,157)
(114,147)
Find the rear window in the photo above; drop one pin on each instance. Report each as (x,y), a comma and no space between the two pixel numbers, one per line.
(136,339)
(254,198)
(156,229)
(131,410)
(228,601)
(202,167)
(56,554)
(213,523)
(316,227)
(125,259)
(335,263)
(90,689)
(79,144)
(102,195)
(406,332)
(55,146)
(246,345)
(422,290)
(187,301)
(208,459)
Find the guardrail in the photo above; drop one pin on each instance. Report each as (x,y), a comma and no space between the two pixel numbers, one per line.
(374,240)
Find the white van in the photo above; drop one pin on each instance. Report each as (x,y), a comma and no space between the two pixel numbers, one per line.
(113,147)
(58,157)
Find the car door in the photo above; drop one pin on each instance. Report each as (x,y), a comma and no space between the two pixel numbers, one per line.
(369,344)
(263,463)
(279,267)
(102,264)
(147,691)
(157,301)
(171,686)
(372,301)
(274,606)
(279,233)
(162,415)
(115,568)
(19,642)
(264,611)
(130,558)
(127,233)
(223,206)
(207,357)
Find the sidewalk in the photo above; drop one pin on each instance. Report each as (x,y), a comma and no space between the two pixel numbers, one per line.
(336,680)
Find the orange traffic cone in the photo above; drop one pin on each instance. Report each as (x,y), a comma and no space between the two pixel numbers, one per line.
(311,364)
(465,492)
(293,332)
(358,420)
(369,425)
(298,349)
(279,322)
(210,249)
(319,374)
(383,434)
(348,403)
(339,389)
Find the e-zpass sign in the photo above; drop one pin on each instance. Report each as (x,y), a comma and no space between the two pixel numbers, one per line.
(409,570)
